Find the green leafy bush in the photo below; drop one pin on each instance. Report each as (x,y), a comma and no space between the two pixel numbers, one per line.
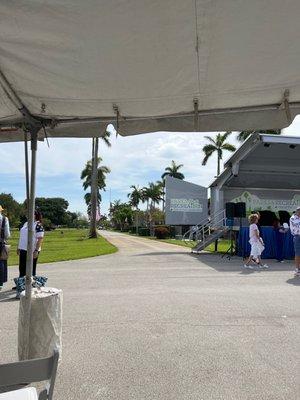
(161,232)
(144,231)
(48,225)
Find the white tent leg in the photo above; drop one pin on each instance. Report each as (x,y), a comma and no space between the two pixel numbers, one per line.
(29,260)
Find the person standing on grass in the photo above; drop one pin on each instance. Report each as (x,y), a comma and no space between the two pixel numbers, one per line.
(5,234)
(38,237)
(257,244)
(295,231)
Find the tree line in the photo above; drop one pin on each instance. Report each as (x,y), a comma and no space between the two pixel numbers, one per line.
(125,214)
(56,213)
(54,210)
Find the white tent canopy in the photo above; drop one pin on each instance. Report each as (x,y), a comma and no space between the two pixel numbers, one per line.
(151,65)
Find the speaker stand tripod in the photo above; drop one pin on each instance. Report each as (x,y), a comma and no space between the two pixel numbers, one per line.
(231,251)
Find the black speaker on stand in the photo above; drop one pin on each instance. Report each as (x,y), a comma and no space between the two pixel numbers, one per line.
(240,210)
(230,210)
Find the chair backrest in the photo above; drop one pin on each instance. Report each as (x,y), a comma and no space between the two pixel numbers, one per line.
(28,371)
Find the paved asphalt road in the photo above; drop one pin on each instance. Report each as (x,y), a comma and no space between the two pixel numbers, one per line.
(155,322)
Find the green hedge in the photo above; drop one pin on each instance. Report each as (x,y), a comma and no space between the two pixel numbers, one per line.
(144,231)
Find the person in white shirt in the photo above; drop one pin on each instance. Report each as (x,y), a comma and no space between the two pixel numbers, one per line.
(295,231)
(5,234)
(257,244)
(37,244)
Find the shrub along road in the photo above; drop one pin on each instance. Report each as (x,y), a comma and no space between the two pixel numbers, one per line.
(153,321)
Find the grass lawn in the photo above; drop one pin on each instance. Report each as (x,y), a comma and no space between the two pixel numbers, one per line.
(65,244)
(222,245)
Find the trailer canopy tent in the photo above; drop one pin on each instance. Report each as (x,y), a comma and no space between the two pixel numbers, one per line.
(68,68)
(264,173)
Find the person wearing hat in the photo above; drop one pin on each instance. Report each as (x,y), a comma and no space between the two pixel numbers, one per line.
(5,234)
(295,231)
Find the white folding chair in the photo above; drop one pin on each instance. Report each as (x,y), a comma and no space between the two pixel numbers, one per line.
(29,371)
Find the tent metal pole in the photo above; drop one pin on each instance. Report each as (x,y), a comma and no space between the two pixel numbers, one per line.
(26,167)
(29,259)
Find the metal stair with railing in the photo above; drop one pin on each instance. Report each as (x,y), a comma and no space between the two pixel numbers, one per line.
(207,232)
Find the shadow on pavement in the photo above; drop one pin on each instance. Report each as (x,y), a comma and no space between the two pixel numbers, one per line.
(7,296)
(294,281)
(235,264)
(160,253)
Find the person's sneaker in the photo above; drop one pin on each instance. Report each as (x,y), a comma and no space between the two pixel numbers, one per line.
(264,266)
(248,266)
(297,272)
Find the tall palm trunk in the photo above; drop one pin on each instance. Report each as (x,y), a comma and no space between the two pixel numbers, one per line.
(94,190)
(147,211)
(137,221)
(219,161)
(151,225)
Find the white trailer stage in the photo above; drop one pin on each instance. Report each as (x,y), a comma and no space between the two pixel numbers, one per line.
(264,173)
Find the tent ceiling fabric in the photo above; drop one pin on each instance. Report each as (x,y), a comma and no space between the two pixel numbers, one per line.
(141,64)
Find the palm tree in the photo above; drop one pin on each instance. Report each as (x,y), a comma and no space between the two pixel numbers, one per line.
(162,185)
(87,198)
(242,136)
(105,138)
(217,145)
(155,191)
(135,196)
(152,194)
(146,195)
(93,207)
(173,171)
(86,174)
(87,178)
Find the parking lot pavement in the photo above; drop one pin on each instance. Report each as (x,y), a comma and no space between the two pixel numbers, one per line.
(153,321)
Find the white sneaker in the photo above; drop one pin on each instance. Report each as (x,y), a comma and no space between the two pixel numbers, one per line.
(297,272)
(265,266)
(248,266)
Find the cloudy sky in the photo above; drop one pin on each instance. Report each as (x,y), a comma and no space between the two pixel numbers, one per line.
(133,160)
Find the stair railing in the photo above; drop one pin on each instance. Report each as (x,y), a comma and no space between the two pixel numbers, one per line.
(198,231)
(218,222)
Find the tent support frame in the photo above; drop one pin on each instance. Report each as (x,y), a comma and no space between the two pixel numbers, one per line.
(30,192)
